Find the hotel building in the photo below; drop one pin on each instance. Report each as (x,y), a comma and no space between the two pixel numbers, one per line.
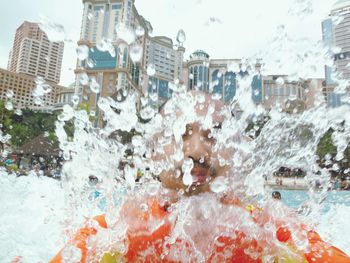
(336,37)
(34,54)
(117,24)
(220,77)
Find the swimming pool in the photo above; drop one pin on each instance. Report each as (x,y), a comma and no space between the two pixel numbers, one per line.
(294,198)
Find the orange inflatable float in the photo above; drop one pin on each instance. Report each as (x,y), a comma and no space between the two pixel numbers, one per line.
(145,245)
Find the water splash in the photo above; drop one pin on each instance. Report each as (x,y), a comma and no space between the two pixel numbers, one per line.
(118,156)
(55,32)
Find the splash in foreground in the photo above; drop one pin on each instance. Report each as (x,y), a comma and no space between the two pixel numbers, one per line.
(194,216)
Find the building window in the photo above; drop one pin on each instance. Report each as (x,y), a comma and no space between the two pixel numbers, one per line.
(163,90)
(217,80)
(191,79)
(275,91)
(116,7)
(288,91)
(230,86)
(281,91)
(98,8)
(195,76)
(200,76)
(205,86)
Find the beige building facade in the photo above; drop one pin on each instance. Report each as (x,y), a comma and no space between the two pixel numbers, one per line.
(220,77)
(22,87)
(290,95)
(32,53)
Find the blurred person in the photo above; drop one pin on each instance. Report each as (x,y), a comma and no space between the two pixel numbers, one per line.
(190,220)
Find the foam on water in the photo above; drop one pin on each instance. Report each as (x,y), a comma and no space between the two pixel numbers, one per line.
(32,210)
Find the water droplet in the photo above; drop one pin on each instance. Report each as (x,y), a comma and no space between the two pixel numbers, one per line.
(173,86)
(152,189)
(9,105)
(147,113)
(90,63)
(191,76)
(153,96)
(217,96)
(9,94)
(71,254)
(151,70)
(144,207)
(187,165)
(144,101)
(38,101)
(178,156)
(222,161)
(82,52)
(46,88)
(124,33)
(55,32)
(256,92)
(280,81)
(181,36)
(187,178)
(139,31)
(136,53)
(83,79)
(92,113)
(75,99)
(39,80)
(90,15)
(106,45)
(94,86)
(18,112)
(5,139)
(219,185)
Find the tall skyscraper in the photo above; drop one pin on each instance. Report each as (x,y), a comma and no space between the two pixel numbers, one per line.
(120,50)
(341,36)
(327,36)
(34,54)
(336,35)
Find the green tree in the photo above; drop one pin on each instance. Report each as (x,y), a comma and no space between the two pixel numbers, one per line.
(326,146)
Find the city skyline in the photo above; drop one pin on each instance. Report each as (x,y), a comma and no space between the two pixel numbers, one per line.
(212,25)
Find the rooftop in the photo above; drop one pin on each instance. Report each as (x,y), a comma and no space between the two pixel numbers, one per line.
(200,53)
(341,4)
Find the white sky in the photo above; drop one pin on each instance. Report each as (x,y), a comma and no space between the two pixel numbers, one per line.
(241,28)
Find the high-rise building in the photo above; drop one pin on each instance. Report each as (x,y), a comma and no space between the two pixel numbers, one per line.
(336,35)
(341,36)
(120,50)
(327,36)
(34,54)
(167,63)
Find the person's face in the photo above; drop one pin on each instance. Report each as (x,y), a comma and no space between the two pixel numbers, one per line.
(198,145)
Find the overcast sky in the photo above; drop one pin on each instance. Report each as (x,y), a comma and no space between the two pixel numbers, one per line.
(223,28)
